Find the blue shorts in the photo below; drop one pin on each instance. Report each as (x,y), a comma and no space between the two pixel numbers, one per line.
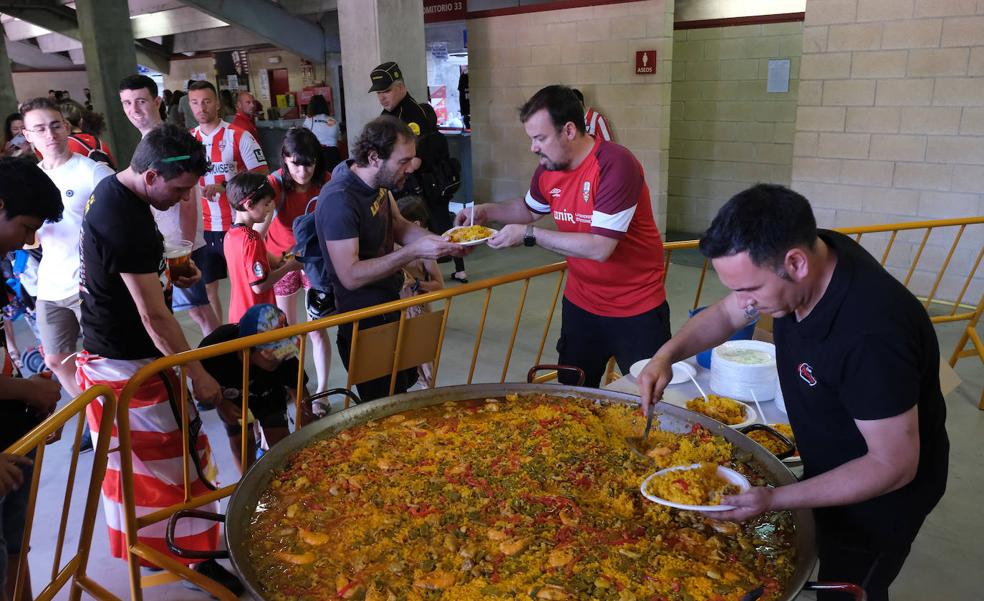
(213,263)
(196,296)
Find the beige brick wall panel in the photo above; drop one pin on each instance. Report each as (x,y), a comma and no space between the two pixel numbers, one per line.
(597,73)
(806,144)
(867,173)
(810,93)
(884,10)
(817,170)
(775,111)
(835,196)
(825,66)
(976,66)
(955,149)
(739,69)
(628,27)
(891,200)
(688,50)
(774,154)
(937,63)
(921,33)
(757,132)
(825,12)
(546,55)
(704,71)
(821,118)
(963,31)
(959,91)
(594,30)
(848,93)
(968,178)
(815,39)
(930,120)
(721,132)
(904,92)
(737,111)
(898,148)
(923,176)
(843,146)
(856,36)
(783,132)
(791,45)
(947,205)
(742,31)
(767,47)
(884,64)
(944,8)
(880,120)
(972,122)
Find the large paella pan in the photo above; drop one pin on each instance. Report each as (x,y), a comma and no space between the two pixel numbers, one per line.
(366,504)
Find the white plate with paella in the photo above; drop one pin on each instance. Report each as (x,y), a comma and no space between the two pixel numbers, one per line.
(469,235)
(695,487)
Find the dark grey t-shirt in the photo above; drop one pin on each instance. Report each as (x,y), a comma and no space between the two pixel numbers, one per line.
(348,208)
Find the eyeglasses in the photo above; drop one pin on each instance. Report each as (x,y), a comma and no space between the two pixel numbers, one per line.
(53,127)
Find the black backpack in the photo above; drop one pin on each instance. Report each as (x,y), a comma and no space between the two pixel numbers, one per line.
(97,154)
(307,250)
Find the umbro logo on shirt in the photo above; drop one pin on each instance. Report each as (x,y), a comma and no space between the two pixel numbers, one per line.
(805,371)
(556,192)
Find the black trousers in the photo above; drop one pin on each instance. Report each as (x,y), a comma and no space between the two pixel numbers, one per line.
(588,340)
(378,388)
(871,569)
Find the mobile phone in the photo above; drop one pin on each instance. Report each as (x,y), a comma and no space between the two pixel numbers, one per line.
(18,140)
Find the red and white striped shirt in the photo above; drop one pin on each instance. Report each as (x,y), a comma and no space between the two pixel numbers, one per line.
(229,150)
(595,124)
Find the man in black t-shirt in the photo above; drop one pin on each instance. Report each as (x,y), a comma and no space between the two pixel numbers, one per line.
(858,363)
(127,323)
(28,198)
(272,377)
(358,226)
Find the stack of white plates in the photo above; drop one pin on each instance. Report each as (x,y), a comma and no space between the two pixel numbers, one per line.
(741,367)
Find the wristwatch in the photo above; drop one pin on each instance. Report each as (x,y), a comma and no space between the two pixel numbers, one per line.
(529,239)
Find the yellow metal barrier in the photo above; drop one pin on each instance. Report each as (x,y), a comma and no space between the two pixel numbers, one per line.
(136,550)
(73,573)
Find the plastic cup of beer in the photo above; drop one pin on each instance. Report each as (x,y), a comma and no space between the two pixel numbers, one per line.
(178,256)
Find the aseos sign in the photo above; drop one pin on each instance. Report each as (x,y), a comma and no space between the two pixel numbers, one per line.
(444,10)
(645,62)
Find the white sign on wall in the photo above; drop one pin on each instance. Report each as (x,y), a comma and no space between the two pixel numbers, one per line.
(778,76)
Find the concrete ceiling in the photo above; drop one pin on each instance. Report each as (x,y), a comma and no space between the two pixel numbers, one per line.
(43,34)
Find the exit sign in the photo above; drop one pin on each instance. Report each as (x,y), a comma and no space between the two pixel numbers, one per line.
(645,62)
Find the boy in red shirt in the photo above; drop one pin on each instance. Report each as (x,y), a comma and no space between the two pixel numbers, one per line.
(252,270)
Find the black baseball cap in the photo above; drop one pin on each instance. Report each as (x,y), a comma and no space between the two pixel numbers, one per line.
(384,76)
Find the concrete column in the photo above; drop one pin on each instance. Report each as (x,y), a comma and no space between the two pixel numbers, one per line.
(8,97)
(373,32)
(107,42)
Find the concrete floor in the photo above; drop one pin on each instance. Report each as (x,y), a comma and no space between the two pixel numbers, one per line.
(945,558)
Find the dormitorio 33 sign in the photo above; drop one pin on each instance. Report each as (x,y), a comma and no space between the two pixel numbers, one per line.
(444,10)
(645,62)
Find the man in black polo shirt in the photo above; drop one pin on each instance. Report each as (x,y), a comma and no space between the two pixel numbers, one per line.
(858,362)
(359,226)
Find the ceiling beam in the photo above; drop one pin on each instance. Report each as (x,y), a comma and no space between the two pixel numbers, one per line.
(61,20)
(221,38)
(168,22)
(270,22)
(32,57)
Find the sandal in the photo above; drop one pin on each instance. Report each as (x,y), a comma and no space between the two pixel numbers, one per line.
(463,278)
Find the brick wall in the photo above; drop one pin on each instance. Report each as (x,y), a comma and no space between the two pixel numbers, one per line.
(726,131)
(890,125)
(592,48)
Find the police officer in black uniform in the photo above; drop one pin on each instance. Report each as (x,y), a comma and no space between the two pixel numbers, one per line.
(391,90)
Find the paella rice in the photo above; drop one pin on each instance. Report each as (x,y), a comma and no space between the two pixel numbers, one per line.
(699,486)
(469,233)
(533,497)
(770,442)
(724,409)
